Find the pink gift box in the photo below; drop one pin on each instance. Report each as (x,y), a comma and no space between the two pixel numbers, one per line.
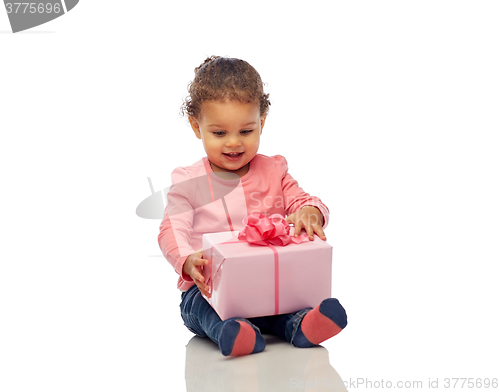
(249,280)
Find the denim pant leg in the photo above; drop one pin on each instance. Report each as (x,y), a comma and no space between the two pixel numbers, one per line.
(283,325)
(199,317)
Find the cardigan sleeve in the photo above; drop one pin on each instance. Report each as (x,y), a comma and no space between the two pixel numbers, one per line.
(176,227)
(294,195)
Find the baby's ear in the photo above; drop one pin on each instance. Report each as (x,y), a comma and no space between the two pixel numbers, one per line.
(196,126)
(262,122)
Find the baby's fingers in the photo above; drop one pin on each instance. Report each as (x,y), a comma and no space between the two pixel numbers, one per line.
(195,271)
(199,280)
(319,231)
(310,231)
(298,227)
(290,219)
(204,289)
(196,274)
(198,261)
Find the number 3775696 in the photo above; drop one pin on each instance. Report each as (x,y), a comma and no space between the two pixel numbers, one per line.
(33,8)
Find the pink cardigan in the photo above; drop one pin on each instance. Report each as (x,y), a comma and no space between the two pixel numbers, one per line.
(194,208)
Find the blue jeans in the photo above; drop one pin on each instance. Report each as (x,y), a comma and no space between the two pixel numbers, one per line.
(200,318)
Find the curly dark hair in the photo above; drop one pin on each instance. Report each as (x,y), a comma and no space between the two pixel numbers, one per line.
(219,78)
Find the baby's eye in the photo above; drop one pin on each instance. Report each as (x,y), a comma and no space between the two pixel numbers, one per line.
(247,131)
(218,133)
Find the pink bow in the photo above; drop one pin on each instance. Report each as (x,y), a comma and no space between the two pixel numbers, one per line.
(263,229)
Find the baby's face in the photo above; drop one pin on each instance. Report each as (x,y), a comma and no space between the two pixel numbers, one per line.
(230,132)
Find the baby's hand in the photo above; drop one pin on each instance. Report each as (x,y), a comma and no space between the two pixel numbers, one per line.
(192,267)
(309,218)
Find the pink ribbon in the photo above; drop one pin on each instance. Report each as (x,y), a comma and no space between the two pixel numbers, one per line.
(265,230)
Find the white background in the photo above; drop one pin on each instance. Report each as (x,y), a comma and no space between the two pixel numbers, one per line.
(386,110)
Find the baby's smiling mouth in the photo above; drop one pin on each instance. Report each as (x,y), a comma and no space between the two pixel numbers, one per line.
(233,154)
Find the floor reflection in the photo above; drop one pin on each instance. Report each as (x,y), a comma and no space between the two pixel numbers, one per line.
(280,367)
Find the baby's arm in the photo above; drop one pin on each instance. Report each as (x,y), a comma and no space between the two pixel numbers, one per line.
(176,227)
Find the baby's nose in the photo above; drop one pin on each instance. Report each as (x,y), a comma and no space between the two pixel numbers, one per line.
(233,141)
